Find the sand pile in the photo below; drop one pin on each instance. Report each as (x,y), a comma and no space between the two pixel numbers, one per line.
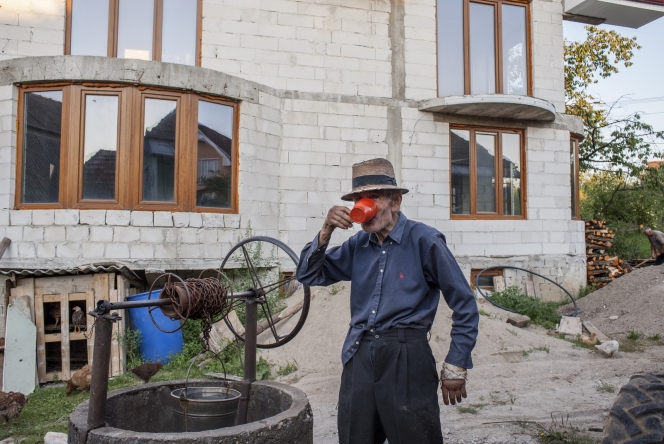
(636,298)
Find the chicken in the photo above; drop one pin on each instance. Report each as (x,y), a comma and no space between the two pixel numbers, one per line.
(11,404)
(54,312)
(77,318)
(147,370)
(588,340)
(79,379)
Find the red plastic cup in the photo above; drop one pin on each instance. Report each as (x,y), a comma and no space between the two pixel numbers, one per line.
(363,211)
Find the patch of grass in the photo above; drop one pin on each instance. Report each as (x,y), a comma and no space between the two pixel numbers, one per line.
(560,431)
(287,368)
(484,313)
(605,387)
(634,335)
(472,408)
(576,342)
(512,331)
(334,289)
(655,337)
(542,348)
(131,341)
(585,291)
(539,312)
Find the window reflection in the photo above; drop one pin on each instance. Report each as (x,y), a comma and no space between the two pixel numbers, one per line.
(450,47)
(41,147)
(514,50)
(159,150)
(135,29)
(460,172)
(89,27)
(215,155)
(482,49)
(100,147)
(178,42)
(511,174)
(485,153)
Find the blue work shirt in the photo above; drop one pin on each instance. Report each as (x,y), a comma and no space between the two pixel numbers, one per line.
(396,284)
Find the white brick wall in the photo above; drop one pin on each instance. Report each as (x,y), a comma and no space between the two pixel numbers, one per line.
(32,28)
(301,45)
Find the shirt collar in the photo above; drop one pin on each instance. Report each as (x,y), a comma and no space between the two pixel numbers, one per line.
(395,234)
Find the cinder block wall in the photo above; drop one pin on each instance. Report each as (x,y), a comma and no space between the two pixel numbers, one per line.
(335,83)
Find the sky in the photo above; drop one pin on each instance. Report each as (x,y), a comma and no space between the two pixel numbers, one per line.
(641,85)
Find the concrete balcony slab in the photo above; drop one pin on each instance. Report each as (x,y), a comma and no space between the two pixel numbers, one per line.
(628,13)
(500,106)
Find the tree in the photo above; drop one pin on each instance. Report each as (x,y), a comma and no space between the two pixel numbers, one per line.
(620,145)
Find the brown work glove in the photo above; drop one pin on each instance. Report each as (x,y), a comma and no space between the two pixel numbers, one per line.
(453,390)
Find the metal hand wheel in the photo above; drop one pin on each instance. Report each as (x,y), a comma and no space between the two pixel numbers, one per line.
(257,264)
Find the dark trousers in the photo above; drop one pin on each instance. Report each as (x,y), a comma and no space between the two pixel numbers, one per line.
(659,260)
(389,390)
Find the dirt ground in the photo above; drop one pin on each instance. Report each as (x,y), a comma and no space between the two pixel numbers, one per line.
(519,374)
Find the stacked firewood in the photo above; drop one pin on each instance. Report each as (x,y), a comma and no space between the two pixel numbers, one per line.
(601,267)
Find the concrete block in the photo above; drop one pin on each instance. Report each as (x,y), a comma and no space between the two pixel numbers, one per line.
(27,250)
(68,250)
(163,219)
(101,234)
(66,217)
(142,218)
(152,235)
(77,233)
(212,220)
(190,251)
(93,250)
(42,217)
(33,234)
(126,234)
(195,220)
(207,236)
(118,218)
(20,217)
(165,251)
(142,251)
(54,234)
(181,220)
(92,217)
(46,250)
(117,251)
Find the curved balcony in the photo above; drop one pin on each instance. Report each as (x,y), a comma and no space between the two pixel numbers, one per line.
(501,106)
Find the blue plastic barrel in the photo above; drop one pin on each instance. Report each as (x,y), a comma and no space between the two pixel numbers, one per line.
(156,346)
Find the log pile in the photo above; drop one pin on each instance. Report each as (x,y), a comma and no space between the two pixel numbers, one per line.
(602,268)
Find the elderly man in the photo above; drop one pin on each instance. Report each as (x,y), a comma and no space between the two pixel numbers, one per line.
(397,268)
(656,239)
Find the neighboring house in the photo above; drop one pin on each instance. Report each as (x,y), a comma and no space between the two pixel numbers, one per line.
(155,132)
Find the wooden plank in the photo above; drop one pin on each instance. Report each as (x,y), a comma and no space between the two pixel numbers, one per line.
(91,303)
(41,341)
(4,244)
(601,337)
(100,292)
(25,287)
(55,337)
(537,281)
(115,345)
(530,289)
(122,284)
(20,365)
(65,322)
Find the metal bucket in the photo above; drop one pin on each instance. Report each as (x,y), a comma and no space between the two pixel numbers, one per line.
(204,408)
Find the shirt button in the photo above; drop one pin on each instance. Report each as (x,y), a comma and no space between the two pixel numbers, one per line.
(371,330)
(383,252)
(381,270)
(377,336)
(373,311)
(357,343)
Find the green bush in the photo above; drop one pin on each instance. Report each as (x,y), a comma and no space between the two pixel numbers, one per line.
(542,313)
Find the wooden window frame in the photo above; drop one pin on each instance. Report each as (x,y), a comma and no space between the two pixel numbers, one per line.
(157,29)
(496,272)
(129,179)
(498,215)
(575,182)
(498,47)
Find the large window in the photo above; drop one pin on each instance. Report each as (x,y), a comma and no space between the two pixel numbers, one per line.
(161,30)
(574,176)
(126,148)
(487,173)
(483,47)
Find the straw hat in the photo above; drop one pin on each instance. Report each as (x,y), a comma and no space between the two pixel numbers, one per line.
(374,174)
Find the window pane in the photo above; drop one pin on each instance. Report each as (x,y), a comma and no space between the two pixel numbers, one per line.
(460,145)
(159,150)
(515,77)
(482,49)
(100,144)
(511,174)
(485,153)
(178,43)
(41,147)
(135,23)
(89,27)
(450,48)
(574,181)
(215,155)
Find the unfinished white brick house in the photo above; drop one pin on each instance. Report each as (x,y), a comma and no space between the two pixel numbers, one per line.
(155,132)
